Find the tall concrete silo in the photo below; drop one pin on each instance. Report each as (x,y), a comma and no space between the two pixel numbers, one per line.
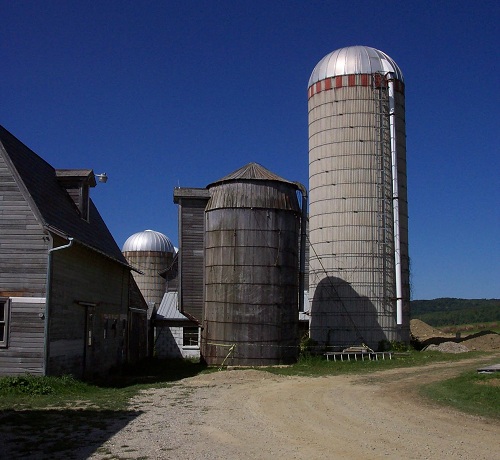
(152,253)
(358,217)
(252,228)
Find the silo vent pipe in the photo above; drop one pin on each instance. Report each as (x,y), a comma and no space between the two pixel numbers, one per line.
(395,200)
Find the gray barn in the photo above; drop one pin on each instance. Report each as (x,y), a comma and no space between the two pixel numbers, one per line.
(68,301)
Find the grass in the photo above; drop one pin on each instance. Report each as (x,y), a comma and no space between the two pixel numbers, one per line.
(111,394)
(471,392)
(317,366)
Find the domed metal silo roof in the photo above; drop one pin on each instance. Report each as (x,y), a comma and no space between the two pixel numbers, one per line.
(148,240)
(354,60)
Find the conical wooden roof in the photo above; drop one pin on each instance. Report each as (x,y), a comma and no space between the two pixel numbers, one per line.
(251,171)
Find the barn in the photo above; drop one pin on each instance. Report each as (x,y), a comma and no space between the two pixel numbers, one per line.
(68,301)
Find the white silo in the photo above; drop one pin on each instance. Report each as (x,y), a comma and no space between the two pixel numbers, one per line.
(151,253)
(358,217)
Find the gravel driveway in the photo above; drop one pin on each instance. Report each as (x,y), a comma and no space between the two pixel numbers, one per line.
(248,414)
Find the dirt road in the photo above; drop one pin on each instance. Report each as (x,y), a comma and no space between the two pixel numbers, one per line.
(248,414)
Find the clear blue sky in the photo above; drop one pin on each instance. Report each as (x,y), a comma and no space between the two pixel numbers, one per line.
(159,94)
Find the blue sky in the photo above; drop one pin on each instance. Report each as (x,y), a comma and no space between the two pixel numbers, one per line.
(181,93)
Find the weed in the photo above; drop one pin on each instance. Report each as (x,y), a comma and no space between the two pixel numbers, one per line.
(393,345)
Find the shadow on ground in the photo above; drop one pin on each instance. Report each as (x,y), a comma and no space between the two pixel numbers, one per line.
(153,371)
(53,434)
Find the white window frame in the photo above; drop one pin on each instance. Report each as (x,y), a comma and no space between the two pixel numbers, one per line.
(4,323)
(192,347)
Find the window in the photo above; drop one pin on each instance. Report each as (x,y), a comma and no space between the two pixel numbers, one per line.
(4,321)
(190,336)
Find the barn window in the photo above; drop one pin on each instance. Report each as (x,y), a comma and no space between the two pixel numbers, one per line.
(4,321)
(190,336)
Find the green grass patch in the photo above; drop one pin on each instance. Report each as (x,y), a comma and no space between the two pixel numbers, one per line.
(34,392)
(112,393)
(318,366)
(471,392)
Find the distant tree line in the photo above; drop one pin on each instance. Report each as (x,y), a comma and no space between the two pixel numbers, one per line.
(450,311)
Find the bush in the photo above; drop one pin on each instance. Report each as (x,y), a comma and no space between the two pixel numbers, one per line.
(393,345)
(29,385)
(307,345)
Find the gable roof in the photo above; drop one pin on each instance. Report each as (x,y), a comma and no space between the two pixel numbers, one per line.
(54,207)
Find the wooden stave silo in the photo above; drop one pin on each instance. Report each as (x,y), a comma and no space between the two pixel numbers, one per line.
(351,220)
(250,312)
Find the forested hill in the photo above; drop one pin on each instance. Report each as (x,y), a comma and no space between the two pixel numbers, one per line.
(449,311)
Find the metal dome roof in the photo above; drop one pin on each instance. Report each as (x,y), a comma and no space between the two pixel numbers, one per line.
(354,60)
(148,240)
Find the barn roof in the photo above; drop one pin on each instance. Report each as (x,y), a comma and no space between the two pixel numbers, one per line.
(52,204)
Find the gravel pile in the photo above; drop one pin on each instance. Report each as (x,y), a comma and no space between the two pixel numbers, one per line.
(448,347)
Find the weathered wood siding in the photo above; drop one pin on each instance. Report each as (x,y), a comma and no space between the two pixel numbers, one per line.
(25,350)
(252,273)
(88,314)
(140,337)
(23,263)
(191,240)
(23,244)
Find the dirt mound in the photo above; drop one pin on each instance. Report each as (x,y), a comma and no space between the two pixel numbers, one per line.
(421,331)
(423,335)
(487,341)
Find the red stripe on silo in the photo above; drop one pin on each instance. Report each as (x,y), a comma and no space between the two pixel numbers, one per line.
(341,81)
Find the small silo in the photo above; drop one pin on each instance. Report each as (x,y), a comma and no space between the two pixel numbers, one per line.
(358,217)
(252,228)
(152,253)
